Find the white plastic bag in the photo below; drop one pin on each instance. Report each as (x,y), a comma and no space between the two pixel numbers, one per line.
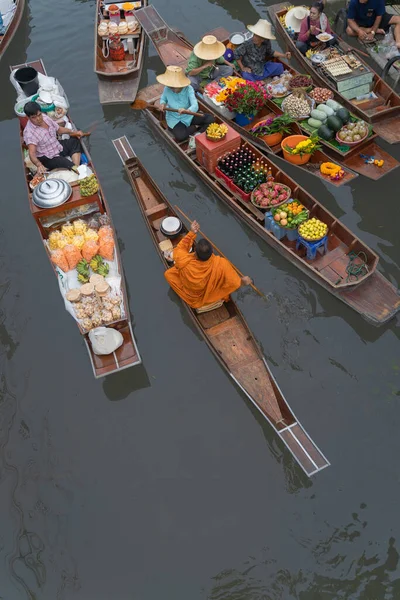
(105,340)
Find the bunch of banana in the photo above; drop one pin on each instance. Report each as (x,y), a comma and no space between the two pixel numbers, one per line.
(103,269)
(216,132)
(83,271)
(99,266)
(88,186)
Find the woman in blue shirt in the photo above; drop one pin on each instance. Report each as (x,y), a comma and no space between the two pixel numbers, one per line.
(179,94)
(365,18)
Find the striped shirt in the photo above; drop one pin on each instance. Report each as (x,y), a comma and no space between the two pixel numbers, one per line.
(44,139)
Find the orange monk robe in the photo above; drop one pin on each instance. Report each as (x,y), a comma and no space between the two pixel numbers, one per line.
(200,282)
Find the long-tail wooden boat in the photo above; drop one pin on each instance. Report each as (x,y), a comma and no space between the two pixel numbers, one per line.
(118,79)
(371,294)
(170,46)
(12,26)
(383,114)
(126,355)
(226,331)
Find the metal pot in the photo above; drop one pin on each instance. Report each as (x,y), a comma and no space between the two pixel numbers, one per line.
(317,59)
(171,226)
(51,193)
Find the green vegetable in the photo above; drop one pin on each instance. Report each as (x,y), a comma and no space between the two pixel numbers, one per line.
(343,115)
(318,114)
(334,105)
(334,123)
(325,133)
(315,123)
(326,109)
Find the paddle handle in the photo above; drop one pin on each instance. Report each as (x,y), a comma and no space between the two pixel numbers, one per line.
(185,112)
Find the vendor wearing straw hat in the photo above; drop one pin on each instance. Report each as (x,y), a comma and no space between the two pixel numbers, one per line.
(202,65)
(179,94)
(252,56)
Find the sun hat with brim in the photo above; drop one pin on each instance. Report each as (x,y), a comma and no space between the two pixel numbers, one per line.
(209,48)
(263,28)
(173,77)
(294,17)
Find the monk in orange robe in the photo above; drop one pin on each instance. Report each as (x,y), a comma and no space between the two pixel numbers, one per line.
(200,277)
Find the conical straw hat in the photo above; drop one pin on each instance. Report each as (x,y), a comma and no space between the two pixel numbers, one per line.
(173,77)
(294,17)
(209,48)
(263,28)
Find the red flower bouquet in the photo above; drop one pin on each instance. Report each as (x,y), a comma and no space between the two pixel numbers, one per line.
(247,99)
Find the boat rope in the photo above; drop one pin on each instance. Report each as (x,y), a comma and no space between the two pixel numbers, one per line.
(356,269)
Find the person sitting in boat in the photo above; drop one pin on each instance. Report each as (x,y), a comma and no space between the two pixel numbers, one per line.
(253,55)
(312,25)
(365,18)
(200,278)
(179,95)
(45,150)
(207,63)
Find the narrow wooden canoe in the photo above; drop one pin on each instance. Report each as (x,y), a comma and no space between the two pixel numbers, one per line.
(385,117)
(12,27)
(371,295)
(173,47)
(128,354)
(226,331)
(118,80)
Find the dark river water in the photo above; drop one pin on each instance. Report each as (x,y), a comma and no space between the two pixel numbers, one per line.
(163,482)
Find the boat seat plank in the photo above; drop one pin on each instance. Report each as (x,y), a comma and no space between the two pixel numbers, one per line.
(213,317)
(171,55)
(253,377)
(153,210)
(230,339)
(330,274)
(376,296)
(325,260)
(357,163)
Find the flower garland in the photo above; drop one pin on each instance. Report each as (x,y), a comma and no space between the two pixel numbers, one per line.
(334,172)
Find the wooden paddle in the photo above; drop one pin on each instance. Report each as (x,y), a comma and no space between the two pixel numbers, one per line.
(219,252)
(142,104)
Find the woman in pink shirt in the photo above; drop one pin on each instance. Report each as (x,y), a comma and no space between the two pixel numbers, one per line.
(316,23)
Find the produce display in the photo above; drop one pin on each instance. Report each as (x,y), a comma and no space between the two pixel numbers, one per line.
(229,85)
(95,303)
(300,81)
(88,186)
(76,241)
(270,194)
(216,131)
(244,169)
(352,133)
(297,106)
(278,87)
(290,215)
(313,230)
(96,263)
(321,94)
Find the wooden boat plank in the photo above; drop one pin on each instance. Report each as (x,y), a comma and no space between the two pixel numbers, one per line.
(6,38)
(376,297)
(230,339)
(388,129)
(357,163)
(213,317)
(374,115)
(325,260)
(294,446)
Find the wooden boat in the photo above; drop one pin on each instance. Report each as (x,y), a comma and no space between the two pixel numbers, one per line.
(173,47)
(226,331)
(371,295)
(118,80)
(383,113)
(12,27)
(128,354)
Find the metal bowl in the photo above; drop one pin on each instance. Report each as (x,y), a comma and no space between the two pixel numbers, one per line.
(51,193)
(317,59)
(170,226)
